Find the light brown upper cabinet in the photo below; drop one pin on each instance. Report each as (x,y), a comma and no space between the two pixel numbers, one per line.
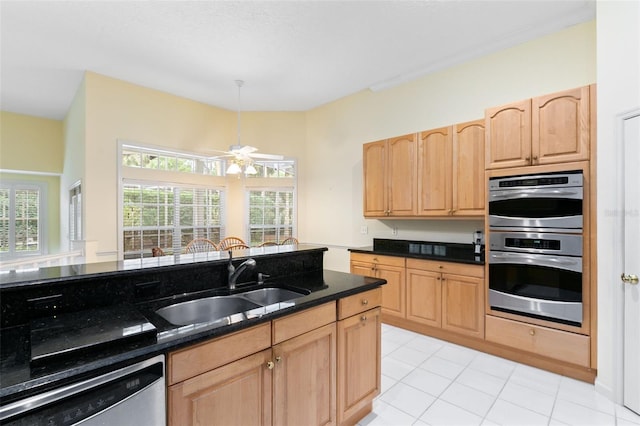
(434,172)
(468,169)
(390,177)
(451,170)
(544,130)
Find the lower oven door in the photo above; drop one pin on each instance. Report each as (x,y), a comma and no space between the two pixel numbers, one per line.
(537,285)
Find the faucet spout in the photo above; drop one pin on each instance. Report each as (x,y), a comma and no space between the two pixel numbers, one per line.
(234,272)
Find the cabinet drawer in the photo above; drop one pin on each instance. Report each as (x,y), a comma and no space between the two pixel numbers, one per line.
(296,324)
(381,260)
(360,302)
(562,345)
(447,267)
(198,359)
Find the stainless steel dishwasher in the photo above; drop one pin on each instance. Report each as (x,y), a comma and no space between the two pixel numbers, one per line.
(133,395)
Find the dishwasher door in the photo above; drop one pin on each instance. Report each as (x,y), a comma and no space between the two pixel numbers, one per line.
(133,395)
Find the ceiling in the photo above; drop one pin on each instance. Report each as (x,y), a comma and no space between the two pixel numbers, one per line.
(292,55)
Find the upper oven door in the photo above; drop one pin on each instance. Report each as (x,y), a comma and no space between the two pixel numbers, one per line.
(537,208)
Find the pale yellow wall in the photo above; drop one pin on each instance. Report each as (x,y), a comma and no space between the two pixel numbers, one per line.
(331,172)
(117,110)
(34,146)
(30,143)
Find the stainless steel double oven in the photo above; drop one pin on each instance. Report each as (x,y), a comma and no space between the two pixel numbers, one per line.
(535,245)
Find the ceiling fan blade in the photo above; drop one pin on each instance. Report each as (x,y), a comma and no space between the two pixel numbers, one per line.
(267,156)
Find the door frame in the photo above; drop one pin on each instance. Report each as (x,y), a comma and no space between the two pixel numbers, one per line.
(618,266)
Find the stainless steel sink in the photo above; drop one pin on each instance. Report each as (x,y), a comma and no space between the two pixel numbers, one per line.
(211,309)
(271,295)
(205,310)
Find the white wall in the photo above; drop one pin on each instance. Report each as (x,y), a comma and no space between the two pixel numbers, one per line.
(618,47)
(331,171)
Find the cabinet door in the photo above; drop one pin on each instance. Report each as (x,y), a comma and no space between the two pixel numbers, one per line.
(393,292)
(424,297)
(468,169)
(463,304)
(508,135)
(304,388)
(238,393)
(358,363)
(402,175)
(434,172)
(560,130)
(364,269)
(374,164)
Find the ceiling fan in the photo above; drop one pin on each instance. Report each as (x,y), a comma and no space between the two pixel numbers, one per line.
(242,156)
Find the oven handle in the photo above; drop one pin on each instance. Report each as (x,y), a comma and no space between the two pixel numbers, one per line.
(559,262)
(536,193)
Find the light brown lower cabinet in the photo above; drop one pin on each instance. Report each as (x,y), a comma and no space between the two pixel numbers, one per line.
(304,375)
(238,393)
(359,344)
(292,380)
(446,295)
(558,344)
(390,268)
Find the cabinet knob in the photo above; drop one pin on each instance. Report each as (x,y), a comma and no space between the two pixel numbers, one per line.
(527,159)
(535,158)
(365,302)
(438,278)
(278,359)
(363,318)
(532,332)
(270,365)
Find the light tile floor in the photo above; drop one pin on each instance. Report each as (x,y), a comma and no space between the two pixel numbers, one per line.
(426,381)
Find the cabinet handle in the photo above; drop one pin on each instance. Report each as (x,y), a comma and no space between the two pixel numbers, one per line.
(278,359)
(270,365)
(365,302)
(440,267)
(532,332)
(527,159)
(438,278)
(363,318)
(535,158)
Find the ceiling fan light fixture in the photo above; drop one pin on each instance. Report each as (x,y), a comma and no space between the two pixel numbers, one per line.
(234,169)
(250,170)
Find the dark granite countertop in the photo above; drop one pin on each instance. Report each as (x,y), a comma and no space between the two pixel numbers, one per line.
(49,275)
(447,252)
(22,377)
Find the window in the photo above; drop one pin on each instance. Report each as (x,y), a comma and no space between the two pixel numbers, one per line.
(274,169)
(157,159)
(168,216)
(21,219)
(271,215)
(75,212)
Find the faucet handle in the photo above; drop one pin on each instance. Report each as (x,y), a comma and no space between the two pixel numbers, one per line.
(261,278)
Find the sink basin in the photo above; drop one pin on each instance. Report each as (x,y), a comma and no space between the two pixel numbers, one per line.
(205,310)
(271,295)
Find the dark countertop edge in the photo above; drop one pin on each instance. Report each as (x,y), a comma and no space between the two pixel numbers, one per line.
(50,381)
(33,279)
(369,250)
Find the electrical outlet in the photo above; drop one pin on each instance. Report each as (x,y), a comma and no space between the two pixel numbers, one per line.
(394,230)
(364,229)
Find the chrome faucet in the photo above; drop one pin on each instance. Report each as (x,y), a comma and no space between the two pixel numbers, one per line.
(235,272)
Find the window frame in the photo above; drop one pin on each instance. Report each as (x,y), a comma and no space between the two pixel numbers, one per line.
(42,188)
(175,228)
(290,189)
